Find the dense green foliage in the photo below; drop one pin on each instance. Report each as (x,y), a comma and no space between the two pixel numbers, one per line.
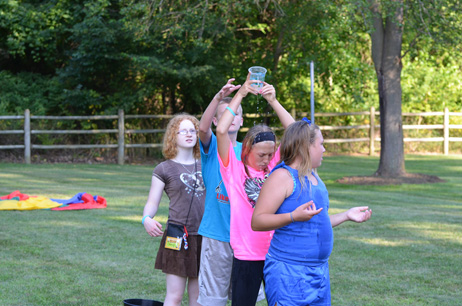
(93,57)
(407,254)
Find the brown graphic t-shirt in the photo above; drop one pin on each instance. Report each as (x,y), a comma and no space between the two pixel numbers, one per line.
(183,183)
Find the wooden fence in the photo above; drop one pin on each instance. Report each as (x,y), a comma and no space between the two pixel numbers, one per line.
(121,145)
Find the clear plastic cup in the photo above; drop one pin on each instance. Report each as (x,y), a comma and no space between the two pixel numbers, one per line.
(257,73)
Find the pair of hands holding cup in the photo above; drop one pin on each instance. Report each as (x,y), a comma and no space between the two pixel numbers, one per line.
(254,87)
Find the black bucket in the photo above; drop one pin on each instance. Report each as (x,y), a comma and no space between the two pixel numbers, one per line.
(141,302)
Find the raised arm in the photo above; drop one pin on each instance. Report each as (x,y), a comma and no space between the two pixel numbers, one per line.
(205,132)
(269,93)
(276,188)
(227,118)
(153,228)
(355,214)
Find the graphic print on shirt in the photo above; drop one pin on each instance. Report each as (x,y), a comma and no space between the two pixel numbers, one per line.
(220,196)
(193,181)
(252,187)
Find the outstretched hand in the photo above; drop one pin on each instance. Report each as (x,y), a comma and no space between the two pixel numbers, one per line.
(359,214)
(227,89)
(305,211)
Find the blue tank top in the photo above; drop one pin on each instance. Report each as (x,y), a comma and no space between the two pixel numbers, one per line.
(308,242)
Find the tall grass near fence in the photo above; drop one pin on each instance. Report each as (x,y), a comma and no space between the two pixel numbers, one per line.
(409,253)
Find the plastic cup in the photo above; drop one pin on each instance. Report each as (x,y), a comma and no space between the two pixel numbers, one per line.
(257,73)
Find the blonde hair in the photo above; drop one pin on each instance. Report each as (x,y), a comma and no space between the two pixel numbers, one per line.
(169,148)
(249,138)
(294,143)
(227,100)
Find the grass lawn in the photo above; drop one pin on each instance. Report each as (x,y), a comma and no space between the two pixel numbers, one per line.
(409,253)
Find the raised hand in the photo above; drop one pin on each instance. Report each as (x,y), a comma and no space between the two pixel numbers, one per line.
(268,92)
(248,88)
(227,89)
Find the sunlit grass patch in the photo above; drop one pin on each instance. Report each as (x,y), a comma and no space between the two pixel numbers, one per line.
(409,253)
(136,218)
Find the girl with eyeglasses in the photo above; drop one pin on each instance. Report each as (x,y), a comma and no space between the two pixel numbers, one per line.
(243,180)
(180,177)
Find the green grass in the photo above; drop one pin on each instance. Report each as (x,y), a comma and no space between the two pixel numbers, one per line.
(409,253)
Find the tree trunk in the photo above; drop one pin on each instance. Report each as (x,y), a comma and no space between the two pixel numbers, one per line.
(386,54)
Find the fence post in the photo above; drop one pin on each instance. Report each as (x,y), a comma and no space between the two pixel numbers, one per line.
(121,138)
(446,131)
(372,132)
(293,113)
(27,136)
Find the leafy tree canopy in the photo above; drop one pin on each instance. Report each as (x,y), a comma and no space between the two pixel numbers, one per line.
(91,57)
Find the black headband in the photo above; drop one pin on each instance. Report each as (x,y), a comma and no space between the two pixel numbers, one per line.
(264,136)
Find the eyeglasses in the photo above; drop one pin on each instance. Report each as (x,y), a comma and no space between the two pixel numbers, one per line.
(185,132)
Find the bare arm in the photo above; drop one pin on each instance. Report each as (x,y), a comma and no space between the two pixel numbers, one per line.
(205,132)
(153,228)
(227,119)
(269,93)
(275,190)
(355,214)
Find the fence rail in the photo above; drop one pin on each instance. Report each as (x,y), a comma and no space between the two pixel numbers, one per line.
(121,131)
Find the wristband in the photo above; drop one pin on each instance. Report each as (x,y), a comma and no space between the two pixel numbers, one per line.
(231,111)
(292,218)
(142,220)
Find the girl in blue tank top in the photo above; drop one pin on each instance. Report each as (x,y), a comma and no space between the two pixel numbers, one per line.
(294,202)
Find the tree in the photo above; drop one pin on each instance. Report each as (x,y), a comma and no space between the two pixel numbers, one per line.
(386,44)
(385,21)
